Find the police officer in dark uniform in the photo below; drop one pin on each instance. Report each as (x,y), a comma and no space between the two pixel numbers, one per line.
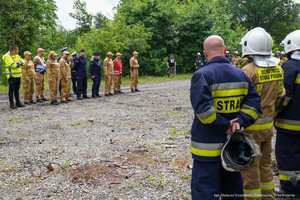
(73,73)
(81,75)
(224,100)
(95,72)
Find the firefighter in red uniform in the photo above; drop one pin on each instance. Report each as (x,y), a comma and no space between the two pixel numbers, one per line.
(118,70)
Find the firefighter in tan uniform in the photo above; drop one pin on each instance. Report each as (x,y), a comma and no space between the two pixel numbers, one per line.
(134,72)
(28,75)
(65,77)
(236,58)
(267,77)
(53,77)
(40,69)
(109,74)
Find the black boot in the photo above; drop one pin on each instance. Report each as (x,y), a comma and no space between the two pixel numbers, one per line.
(12,105)
(55,103)
(19,104)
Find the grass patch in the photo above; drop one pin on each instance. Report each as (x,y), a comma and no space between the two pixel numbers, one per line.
(126,81)
(174,133)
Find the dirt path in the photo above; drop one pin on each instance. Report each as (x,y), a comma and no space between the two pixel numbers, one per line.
(131,146)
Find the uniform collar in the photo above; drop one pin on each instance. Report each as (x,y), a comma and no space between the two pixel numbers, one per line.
(218,59)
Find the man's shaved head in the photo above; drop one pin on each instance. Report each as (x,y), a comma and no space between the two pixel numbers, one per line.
(214,46)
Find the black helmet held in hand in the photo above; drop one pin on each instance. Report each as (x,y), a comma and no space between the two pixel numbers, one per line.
(239,152)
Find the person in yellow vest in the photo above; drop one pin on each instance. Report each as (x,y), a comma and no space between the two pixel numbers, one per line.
(28,75)
(12,63)
(109,74)
(53,76)
(65,77)
(267,76)
(134,72)
(40,69)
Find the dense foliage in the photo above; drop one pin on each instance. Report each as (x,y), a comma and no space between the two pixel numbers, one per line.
(155,28)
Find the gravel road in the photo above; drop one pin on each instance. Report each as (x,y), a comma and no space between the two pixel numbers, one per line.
(130,146)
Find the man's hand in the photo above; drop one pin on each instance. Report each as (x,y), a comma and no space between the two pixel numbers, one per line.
(234,126)
(93,77)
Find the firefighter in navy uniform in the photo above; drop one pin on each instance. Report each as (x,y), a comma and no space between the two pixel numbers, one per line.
(267,76)
(288,121)
(224,100)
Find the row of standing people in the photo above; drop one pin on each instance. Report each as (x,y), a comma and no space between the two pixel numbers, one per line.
(63,72)
(260,97)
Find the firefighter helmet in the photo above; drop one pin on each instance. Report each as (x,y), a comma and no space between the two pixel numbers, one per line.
(239,152)
(257,42)
(291,42)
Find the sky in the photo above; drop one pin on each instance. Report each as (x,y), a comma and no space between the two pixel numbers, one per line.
(93,6)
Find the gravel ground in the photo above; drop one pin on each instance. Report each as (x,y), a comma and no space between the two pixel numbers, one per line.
(130,146)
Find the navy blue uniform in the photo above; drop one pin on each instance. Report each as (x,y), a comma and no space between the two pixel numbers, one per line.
(288,131)
(73,76)
(219,93)
(81,76)
(96,71)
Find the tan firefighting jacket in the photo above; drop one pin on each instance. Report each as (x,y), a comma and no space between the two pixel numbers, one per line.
(269,85)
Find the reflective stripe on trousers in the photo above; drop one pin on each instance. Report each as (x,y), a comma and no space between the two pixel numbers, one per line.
(292,125)
(252,193)
(292,176)
(206,149)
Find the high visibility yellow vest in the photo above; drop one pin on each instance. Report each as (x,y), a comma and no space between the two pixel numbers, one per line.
(12,65)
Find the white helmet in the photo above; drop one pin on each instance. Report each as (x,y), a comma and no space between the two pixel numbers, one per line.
(292,42)
(257,42)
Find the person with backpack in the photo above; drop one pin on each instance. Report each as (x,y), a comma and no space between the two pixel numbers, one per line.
(40,69)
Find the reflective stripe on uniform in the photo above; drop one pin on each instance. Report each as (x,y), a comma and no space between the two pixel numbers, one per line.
(297,81)
(207,117)
(267,185)
(291,125)
(262,124)
(252,192)
(229,89)
(228,97)
(206,149)
(289,175)
(249,111)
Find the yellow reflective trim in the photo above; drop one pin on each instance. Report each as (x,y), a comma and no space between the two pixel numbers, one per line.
(259,127)
(297,81)
(283,177)
(291,127)
(205,152)
(230,92)
(252,192)
(267,185)
(228,105)
(269,74)
(252,113)
(208,119)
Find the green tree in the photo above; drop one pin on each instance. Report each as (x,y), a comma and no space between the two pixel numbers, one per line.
(116,36)
(278,17)
(84,19)
(100,20)
(23,21)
